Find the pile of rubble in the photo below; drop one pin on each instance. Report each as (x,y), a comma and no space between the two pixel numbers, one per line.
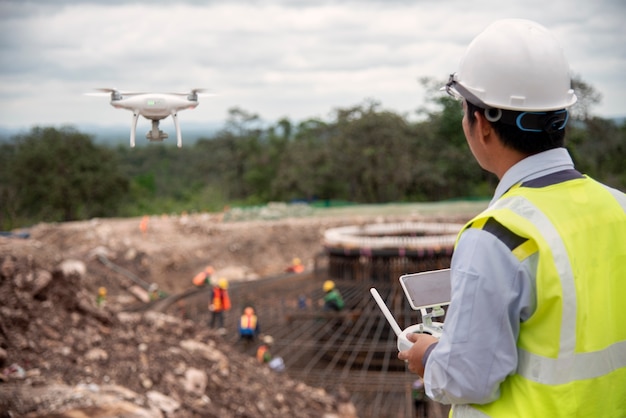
(63,354)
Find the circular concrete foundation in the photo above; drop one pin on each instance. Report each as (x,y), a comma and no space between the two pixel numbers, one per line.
(385,251)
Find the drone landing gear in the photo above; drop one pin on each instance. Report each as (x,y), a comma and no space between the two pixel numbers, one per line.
(155,134)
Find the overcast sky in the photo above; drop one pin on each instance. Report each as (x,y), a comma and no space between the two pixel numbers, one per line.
(276,58)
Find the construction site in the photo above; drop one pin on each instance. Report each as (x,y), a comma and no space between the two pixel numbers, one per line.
(353,351)
(350,355)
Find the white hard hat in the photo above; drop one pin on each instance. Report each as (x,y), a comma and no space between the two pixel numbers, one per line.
(514,64)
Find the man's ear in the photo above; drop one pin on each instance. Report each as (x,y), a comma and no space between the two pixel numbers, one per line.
(484,126)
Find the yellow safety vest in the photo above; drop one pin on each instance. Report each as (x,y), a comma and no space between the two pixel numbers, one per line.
(248,322)
(572,350)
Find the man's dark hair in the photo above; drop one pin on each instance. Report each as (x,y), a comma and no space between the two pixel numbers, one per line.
(523,141)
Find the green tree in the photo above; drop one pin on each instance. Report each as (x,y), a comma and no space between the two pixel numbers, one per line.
(9,211)
(598,148)
(372,155)
(597,145)
(243,137)
(447,167)
(587,96)
(304,167)
(60,175)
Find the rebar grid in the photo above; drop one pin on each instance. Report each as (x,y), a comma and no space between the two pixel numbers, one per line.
(352,351)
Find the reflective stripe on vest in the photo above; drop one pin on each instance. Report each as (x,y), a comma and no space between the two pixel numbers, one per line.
(568,365)
(550,376)
(248,322)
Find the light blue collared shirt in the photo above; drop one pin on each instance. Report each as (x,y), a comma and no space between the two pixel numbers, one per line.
(533,167)
(492,293)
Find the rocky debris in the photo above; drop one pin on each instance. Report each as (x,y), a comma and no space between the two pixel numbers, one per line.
(175,248)
(63,355)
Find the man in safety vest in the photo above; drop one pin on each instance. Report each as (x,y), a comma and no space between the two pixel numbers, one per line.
(536,326)
(102,296)
(248,325)
(204,277)
(263,354)
(296,266)
(219,303)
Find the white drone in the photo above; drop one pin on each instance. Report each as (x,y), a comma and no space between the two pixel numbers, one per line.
(153,106)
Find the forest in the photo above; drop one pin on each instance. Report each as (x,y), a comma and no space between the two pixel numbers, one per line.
(363,154)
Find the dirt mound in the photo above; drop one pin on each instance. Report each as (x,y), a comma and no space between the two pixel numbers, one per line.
(62,354)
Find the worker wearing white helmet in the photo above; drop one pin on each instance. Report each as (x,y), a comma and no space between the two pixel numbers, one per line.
(535,327)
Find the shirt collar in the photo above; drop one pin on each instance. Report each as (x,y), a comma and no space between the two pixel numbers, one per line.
(533,167)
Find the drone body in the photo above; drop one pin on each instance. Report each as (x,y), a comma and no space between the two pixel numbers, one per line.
(154,106)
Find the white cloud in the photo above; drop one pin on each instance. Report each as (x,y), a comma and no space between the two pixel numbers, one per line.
(275,58)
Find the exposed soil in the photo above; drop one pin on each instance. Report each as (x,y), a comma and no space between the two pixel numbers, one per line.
(64,355)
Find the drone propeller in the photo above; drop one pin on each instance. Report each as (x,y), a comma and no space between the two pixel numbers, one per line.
(105,91)
(114,93)
(199,92)
(101,92)
(203,92)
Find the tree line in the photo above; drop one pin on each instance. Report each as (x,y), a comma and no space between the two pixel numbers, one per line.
(363,154)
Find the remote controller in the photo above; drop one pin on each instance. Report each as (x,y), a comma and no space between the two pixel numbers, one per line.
(435,328)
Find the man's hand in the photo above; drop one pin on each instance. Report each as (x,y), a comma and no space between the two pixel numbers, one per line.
(415,354)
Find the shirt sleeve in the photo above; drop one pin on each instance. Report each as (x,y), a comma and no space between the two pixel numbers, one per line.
(492,292)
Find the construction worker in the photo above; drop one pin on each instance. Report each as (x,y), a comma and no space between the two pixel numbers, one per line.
(263,354)
(204,277)
(419,398)
(248,325)
(153,292)
(143,225)
(220,302)
(333,301)
(102,296)
(536,326)
(296,266)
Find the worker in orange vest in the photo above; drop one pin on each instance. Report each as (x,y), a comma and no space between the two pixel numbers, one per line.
(220,302)
(249,325)
(102,296)
(263,354)
(296,266)
(204,277)
(143,225)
